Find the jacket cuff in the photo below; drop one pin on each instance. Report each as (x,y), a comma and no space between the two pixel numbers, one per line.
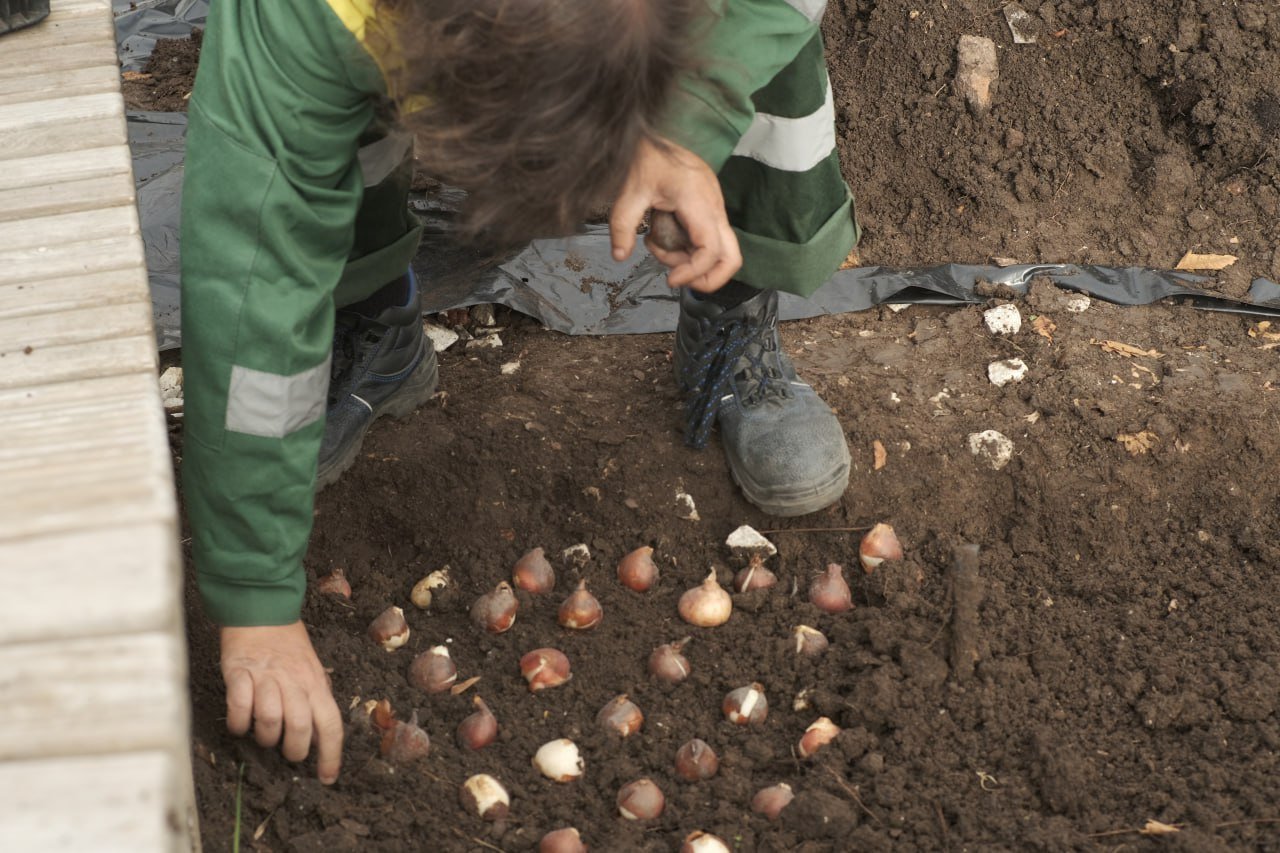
(234,604)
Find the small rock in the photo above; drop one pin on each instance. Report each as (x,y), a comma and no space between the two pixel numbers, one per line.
(977,71)
(1001,373)
(509,368)
(440,337)
(1003,319)
(171,389)
(897,307)
(746,542)
(992,446)
(1078,304)
(686,507)
(482,315)
(487,342)
(576,556)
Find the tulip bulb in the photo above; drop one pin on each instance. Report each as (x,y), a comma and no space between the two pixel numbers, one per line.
(772,800)
(533,573)
(381,714)
(405,742)
(564,840)
(423,590)
(334,583)
(389,629)
(746,705)
(580,610)
(433,670)
(641,800)
(544,668)
(820,733)
(706,605)
(880,544)
(703,842)
(637,570)
(480,728)
(696,761)
(621,716)
(829,592)
(559,760)
(668,664)
(754,576)
(495,611)
(484,795)
(809,641)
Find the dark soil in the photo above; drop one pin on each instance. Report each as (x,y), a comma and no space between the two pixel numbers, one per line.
(164,85)
(1123,611)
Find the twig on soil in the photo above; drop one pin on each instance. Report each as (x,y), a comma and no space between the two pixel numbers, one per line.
(942,822)
(966,595)
(853,795)
(235,835)
(819,530)
(1140,830)
(475,840)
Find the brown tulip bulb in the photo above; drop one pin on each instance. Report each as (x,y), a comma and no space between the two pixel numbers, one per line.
(706,605)
(772,800)
(637,570)
(334,583)
(667,662)
(544,668)
(820,733)
(829,592)
(620,716)
(433,670)
(389,629)
(641,800)
(809,641)
(533,573)
(484,795)
(696,761)
(703,842)
(479,729)
(405,742)
(381,713)
(580,610)
(495,611)
(564,840)
(754,576)
(746,705)
(880,544)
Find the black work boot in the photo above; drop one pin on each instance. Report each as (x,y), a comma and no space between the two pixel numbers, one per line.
(785,447)
(383,364)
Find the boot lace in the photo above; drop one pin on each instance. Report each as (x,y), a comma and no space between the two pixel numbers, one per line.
(733,353)
(344,355)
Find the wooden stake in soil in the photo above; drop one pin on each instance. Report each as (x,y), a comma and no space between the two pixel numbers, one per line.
(966,595)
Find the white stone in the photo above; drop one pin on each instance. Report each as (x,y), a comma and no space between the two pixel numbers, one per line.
(746,542)
(1001,373)
(1003,319)
(440,337)
(992,446)
(171,389)
(1078,304)
(486,342)
(576,555)
(898,307)
(977,71)
(509,368)
(686,507)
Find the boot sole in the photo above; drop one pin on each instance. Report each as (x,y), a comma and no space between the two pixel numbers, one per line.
(416,391)
(796,500)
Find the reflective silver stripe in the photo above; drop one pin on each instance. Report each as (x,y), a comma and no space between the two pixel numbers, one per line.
(273,406)
(791,144)
(811,9)
(379,159)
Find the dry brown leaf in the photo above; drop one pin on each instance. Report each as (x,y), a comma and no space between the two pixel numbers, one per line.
(852,260)
(463,686)
(1155,827)
(1139,442)
(1044,327)
(1263,330)
(1196,261)
(1127,350)
(134,75)
(880,455)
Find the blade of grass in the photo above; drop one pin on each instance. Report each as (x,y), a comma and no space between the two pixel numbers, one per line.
(235,837)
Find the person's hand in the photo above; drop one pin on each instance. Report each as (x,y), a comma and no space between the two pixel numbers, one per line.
(276,683)
(677,180)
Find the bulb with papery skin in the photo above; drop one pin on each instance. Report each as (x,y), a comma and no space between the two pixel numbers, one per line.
(545,668)
(389,629)
(620,716)
(533,573)
(754,576)
(334,583)
(405,742)
(703,842)
(696,761)
(580,610)
(484,796)
(829,592)
(809,641)
(480,728)
(566,840)
(746,706)
(433,670)
(641,800)
(559,760)
(668,664)
(772,800)
(637,571)
(820,733)
(880,544)
(495,611)
(707,604)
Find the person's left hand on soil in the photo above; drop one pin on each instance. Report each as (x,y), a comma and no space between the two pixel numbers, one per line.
(675,179)
(276,683)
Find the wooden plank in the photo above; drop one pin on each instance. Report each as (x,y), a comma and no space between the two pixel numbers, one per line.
(66,166)
(75,227)
(123,803)
(81,80)
(114,580)
(66,293)
(23,336)
(64,124)
(88,30)
(79,361)
(41,263)
(92,695)
(64,197)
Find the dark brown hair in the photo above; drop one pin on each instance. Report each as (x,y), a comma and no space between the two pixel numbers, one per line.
(536,107)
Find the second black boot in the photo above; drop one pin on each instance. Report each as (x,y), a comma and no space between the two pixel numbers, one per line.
(785,447)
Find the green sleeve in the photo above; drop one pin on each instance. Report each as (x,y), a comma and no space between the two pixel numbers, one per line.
(270,193)
(748,43)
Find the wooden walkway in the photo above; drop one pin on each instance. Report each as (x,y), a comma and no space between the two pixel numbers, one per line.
(94,731)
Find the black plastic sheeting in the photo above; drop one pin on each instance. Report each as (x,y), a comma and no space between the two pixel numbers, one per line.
(573,285)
